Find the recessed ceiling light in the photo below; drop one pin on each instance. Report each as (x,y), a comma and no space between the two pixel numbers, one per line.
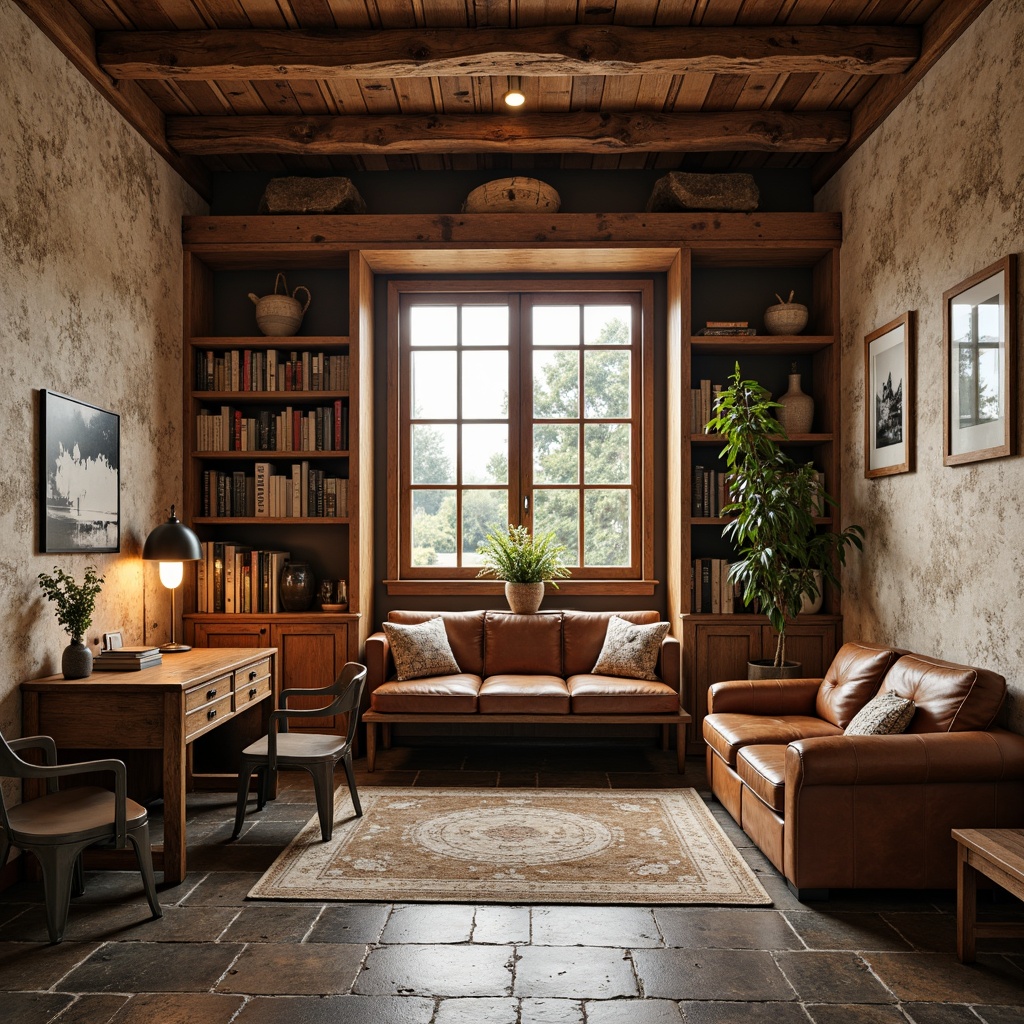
(514,98)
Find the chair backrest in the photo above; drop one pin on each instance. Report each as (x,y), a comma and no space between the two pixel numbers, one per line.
(348,690)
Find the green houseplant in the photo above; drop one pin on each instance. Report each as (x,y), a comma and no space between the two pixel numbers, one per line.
(524,562)
(75,604)
(782,553)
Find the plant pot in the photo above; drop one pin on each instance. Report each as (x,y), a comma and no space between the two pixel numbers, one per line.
(76,661)
(524,598)
(765,668)
(812,607)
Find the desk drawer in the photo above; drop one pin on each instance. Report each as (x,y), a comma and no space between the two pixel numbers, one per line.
(213,690)
(207,716)
(247,691)
(252,675)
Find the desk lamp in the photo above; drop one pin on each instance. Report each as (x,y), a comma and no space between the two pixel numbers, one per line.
(171,544)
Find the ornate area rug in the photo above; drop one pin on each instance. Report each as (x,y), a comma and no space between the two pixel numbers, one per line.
(516,846)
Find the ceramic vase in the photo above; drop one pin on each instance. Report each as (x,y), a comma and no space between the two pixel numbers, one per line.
(524,598)
(298,586)
(76,661)
(797,408)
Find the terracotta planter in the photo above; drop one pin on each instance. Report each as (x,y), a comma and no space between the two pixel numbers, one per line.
(764,668)
(524,598)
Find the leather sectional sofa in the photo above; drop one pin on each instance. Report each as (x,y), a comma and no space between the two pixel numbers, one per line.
(831,810)
(530,669)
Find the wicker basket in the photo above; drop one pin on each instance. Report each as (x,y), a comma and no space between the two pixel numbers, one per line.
(788,317)
(513,195)
(280,314)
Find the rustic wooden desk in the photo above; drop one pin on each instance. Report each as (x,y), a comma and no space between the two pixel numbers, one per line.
(163,708)
(996,853)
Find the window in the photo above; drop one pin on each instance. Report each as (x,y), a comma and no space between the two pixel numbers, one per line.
(509,405)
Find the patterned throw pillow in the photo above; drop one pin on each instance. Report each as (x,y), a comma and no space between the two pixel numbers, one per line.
(421,650)
(884,715)
(630,650)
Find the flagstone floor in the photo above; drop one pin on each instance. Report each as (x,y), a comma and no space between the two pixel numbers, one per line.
(213,958)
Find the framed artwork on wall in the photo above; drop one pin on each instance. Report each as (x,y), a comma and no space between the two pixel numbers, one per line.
(889,398)
(79,476)
(979,320)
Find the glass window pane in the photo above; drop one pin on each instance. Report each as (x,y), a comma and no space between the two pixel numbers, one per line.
(433,528)
(559,511)
(433,453)
(485,325)
(485,385)
(556,384)
(556,325)
(485,454)
(606,384)
(433,325)
(606,453)
(556,453)
(607,325)
(434,379)
(482,511)
(607,528)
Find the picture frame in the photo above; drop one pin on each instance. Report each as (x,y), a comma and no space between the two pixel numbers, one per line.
(889,398)
(979,327)
(79,476)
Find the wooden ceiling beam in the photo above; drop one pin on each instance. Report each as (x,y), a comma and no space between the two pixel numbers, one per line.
(556,50)
(577,132)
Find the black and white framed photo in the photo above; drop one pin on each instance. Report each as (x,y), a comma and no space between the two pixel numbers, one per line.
(79,476)
(889,401)
(980,340)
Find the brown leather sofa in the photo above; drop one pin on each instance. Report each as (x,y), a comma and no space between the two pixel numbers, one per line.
(837,811)
(523,669)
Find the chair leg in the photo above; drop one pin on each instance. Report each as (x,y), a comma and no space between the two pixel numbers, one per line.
(323,786)
(263,790)
(347,762)
(245,771)
(139,838)
(58,864)
(5,848)
(78,878)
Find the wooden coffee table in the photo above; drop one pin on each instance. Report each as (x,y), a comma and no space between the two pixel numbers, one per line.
(996,853)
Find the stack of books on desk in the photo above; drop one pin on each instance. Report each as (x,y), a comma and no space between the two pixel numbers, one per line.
(127,659)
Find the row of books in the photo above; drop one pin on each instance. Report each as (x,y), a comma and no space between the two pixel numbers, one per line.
(726,328)
(127,659)
(710,588)
(703,400)
(235,578)
(710,492)
(275,492)
(323,429)
(269,370)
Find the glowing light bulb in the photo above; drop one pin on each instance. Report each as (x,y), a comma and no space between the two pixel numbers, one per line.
(171,573)
(514,98)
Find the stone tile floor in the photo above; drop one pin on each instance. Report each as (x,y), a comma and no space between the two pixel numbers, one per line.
(860,958)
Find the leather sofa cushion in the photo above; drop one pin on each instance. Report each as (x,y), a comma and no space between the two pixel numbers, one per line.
(465,634)
(727,734)
(513,694)
(454,694)
(949,697)
(523,644)
(852,680)
(605,695)
(762,767)
(583,636)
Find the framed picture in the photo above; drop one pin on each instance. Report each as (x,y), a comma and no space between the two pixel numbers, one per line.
(79,476)
(979,320)
(889,401)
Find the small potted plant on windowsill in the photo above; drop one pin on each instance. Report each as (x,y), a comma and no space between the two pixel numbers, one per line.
(75,604)
(524,562)
(782,553)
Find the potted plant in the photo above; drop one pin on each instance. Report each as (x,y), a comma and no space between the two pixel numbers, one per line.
(524,562)
(75,604)
(782,553)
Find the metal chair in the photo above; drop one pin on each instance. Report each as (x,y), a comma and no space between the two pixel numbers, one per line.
(57,827)
(316,753)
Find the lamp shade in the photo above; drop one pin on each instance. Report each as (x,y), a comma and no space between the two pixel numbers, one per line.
(172,541)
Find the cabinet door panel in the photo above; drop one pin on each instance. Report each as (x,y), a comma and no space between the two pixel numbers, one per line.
(231,634)
(310,656)
(722,652)
(812,644)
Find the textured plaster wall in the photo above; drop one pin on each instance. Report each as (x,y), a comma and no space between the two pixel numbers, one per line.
(90,305)
(936,194)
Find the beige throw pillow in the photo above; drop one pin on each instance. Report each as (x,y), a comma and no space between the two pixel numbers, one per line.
(630,650)
(884,715)
(421,650)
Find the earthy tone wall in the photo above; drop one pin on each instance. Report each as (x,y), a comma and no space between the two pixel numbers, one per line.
(90,260)
(935,195)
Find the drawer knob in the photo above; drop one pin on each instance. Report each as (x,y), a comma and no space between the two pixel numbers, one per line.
(211,714)
(210,694)
(252,691)
(252,676)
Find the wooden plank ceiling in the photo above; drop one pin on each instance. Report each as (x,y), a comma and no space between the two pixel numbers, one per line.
(318,86)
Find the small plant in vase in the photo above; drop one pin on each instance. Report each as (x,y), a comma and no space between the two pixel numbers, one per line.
(524,562)
(75,604)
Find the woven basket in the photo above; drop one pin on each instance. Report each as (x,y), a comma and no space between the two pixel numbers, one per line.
(513,195)
(280,314)
(788,317)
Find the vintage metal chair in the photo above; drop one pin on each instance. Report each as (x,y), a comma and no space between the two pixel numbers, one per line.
(58,826)
(316,753)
